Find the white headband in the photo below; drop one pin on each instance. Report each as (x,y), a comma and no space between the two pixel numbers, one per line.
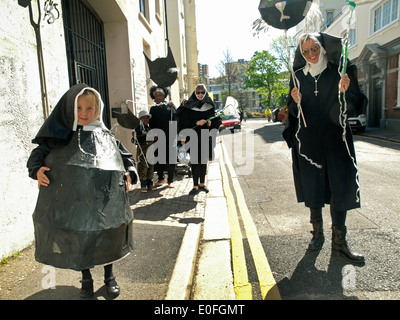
(159,90)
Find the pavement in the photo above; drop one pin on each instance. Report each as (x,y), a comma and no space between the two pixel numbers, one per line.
(382,134)
(182,249)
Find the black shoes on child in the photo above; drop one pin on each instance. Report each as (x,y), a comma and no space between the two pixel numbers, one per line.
(112,287)
(87,288)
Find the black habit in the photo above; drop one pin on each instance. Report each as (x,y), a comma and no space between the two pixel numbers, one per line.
(191,112)
(163,118)
(83,217)
(321,141)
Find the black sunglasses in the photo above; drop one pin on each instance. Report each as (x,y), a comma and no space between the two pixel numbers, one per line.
(201,92)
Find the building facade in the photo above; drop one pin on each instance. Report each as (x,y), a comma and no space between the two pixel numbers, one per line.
(98,42)
(204,75)
(247,98)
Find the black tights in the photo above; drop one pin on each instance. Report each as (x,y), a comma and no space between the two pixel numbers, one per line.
(107,272)
(199,173)
(338,217)
(160,168)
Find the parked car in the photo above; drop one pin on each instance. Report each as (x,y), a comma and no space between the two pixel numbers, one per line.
(230,122)
(358,123)
(279,114)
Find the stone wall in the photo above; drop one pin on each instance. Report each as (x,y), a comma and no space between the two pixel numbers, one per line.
(21,114)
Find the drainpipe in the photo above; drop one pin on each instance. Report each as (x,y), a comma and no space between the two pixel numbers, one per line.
(36,28)
(166,23)
(167,39)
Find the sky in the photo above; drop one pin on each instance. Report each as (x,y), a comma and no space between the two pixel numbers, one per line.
(227,24)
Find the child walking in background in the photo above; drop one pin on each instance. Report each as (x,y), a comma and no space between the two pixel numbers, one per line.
(82,216)
(145,169)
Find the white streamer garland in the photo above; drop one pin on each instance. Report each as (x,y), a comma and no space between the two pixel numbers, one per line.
(300,114)
(343,105)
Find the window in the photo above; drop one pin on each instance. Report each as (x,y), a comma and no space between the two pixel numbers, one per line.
(143,6)
(387,12)
(395,9)
(144,14)
(329,18)
(158,11)
(377,19)
(352,37)
(158,7)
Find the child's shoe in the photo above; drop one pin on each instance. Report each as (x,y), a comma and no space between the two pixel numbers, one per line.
(143,186)
(87,288)
(112,286)
(150,185)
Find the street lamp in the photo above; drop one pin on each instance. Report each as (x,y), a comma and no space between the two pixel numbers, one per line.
(48,8)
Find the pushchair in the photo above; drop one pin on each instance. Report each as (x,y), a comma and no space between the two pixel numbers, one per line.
(183,161)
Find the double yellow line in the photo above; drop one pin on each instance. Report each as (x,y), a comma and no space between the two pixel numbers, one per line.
(243,289)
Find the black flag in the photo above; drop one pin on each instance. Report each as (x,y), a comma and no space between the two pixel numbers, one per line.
(163,71)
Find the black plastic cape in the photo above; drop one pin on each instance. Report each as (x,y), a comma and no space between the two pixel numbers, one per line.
(83,218)
(188,114)
(163,70)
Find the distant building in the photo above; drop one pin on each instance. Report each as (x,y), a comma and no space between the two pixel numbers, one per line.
(247,98)
(204,76)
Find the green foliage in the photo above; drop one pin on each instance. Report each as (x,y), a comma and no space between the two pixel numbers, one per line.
(265,77)
(279,47)
(7,260)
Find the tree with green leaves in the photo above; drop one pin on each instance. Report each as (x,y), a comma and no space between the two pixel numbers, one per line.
(265,77)
(280,47)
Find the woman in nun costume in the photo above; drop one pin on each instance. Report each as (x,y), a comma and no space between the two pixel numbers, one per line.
(324,163)
(82,216)
(199,116)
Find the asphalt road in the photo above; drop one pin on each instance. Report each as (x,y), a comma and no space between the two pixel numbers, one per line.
(283,224)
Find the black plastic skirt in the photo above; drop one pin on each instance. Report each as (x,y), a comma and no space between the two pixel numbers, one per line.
(83,218)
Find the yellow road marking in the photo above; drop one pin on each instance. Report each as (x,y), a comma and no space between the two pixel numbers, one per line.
(269,289)
(242,287)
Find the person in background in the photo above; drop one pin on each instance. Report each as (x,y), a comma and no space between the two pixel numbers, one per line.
(198,114)
(268,114)
(162,114)
(145,169)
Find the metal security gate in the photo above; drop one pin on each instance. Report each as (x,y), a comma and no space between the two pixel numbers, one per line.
(86,52)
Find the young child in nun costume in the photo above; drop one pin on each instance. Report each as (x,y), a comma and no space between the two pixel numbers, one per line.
(324,168)
(82,216)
